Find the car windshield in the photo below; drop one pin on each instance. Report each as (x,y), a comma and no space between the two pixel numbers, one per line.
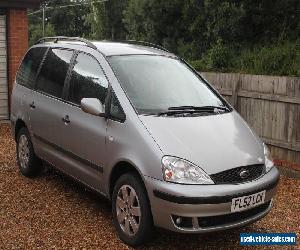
(156,83)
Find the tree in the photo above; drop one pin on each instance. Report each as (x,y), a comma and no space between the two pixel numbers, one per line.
(36,32)
(156,21)
(187,27)
(215,34)
(68,21)
(106,19)
(271,20)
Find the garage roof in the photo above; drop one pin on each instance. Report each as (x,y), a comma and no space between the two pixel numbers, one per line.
(20,3)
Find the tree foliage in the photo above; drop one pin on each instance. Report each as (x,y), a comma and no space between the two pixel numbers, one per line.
(36,32)
(106,19)
(67,21)
(213,34)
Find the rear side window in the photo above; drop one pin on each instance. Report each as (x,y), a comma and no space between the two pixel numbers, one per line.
(53,72)
(29,67)
(87,80)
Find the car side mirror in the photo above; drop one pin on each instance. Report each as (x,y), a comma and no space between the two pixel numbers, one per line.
(93,106)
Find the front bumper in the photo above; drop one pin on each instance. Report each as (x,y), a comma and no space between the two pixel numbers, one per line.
(207,208)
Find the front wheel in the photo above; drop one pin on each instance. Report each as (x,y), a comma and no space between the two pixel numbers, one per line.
(131,210)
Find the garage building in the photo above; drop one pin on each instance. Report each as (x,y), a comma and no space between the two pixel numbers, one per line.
(13,45)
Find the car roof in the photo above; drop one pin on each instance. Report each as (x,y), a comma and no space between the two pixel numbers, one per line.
(109,48)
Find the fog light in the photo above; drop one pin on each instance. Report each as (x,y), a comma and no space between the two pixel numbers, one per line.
(178,220)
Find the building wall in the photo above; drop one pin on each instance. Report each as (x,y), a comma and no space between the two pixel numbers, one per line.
(17,42)
(3,68)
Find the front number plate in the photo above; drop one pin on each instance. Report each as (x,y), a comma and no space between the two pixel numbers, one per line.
(246,202)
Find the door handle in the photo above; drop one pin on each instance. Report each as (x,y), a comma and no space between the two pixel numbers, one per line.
(32,105)
(66,119)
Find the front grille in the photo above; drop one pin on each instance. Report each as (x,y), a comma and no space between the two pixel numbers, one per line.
(218,220)
(234,175)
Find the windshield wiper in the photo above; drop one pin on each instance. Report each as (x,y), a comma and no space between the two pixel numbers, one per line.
(192,110)
(198,108)
(174,112)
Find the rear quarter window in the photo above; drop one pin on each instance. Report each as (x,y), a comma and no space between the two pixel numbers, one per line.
(29,67)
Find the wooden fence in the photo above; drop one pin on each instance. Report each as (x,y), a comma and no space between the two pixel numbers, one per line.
(270,105)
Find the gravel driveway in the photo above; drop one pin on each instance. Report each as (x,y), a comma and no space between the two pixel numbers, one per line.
(52,211)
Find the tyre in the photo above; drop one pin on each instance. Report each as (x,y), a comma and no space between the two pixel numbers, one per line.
(29,164)
(131,210)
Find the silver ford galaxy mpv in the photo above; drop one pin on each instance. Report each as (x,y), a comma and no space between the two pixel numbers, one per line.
(140,126)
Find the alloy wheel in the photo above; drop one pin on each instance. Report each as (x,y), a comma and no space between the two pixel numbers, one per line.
(128,210)
(23,151)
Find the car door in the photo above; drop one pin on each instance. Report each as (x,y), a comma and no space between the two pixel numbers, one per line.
(25,82)
(83,135)
(47,105)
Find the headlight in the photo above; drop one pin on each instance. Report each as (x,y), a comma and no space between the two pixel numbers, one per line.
(181,171)
(268,159)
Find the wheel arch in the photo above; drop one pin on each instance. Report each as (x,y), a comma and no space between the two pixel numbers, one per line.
(120,168)
(19,124)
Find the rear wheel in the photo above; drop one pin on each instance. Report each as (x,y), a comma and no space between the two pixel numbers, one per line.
(131,210)
(29,164)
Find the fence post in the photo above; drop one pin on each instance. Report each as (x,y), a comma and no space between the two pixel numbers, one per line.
(235,90)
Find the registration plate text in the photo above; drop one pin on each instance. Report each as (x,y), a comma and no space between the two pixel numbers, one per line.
(248,201)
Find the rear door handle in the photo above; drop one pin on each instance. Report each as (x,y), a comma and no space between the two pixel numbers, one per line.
(32,105)
(66,119)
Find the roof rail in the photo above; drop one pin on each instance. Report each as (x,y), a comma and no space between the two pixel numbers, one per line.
(153,45)
(65,38)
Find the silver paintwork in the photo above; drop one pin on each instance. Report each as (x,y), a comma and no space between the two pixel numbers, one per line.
(215,143)
(117,48)
(162,209)
(92,106)
(128,210)
(205,140)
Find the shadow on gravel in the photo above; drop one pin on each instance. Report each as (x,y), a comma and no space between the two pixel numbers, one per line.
(162,239)
(74,189)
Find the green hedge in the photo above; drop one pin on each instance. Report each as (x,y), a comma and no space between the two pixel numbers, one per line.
(274,59)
